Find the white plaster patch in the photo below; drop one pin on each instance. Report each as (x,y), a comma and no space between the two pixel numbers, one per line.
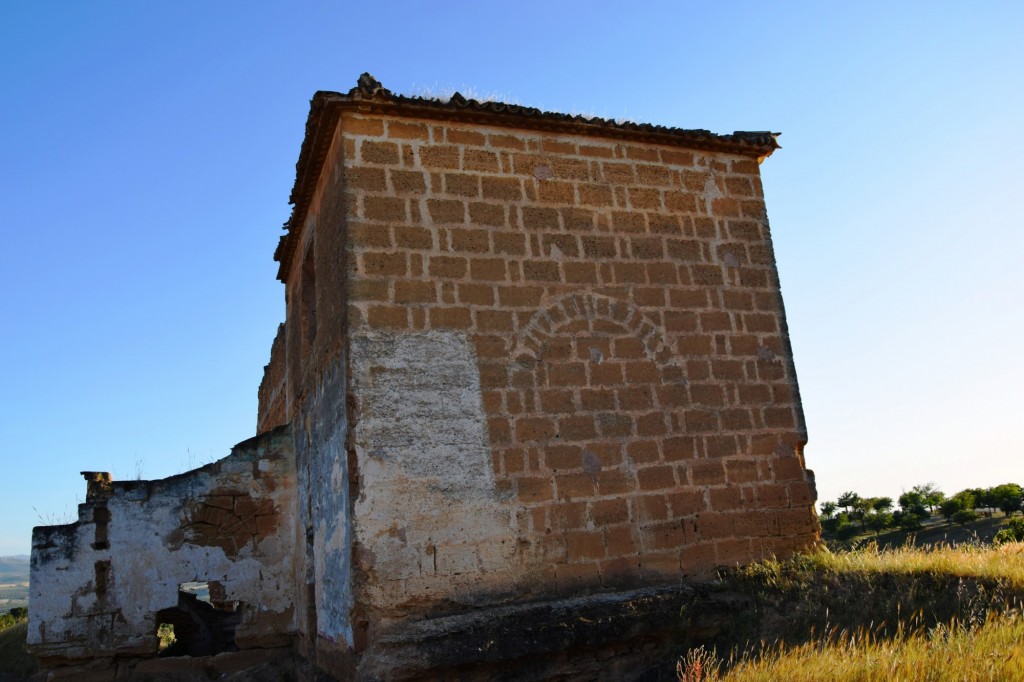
(428,506)
(420,408)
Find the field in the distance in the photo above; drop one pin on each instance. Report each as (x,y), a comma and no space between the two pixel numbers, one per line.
(13,595)
(13,582)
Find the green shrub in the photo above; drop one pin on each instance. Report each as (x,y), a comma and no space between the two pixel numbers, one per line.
(16,615)
(1014,532)
(878,521)
(965,516)
(846,532)
(910,521)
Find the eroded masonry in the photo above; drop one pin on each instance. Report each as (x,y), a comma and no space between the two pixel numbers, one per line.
(533,365)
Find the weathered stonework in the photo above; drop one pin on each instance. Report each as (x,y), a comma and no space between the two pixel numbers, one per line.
(98,585)
(527,358)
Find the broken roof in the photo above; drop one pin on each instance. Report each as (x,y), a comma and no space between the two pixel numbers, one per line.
(369,96)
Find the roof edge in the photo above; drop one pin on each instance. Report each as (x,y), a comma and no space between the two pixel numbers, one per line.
(370,96)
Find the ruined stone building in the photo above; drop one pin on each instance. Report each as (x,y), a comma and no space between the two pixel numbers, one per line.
(533,364)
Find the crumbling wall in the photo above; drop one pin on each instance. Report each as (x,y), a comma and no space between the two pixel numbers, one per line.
(99,585)
(273,398)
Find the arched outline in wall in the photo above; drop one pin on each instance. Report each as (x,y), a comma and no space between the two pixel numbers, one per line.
(584,305)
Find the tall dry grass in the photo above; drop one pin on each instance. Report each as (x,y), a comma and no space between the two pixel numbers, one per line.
(992,652)
(985,646)
(16,664)
(1000,562)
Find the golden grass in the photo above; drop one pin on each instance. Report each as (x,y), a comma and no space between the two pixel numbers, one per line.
(1001,562)
(992,651)
(990,647)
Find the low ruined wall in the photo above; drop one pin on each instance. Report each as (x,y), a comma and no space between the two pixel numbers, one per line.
(97,585)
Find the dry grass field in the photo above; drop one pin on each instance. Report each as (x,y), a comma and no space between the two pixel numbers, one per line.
(911,614)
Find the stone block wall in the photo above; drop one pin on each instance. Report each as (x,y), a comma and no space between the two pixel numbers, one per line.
(566,365)
(101,586)
(620,307)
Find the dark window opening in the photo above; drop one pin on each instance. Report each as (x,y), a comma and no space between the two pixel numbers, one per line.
(101,517)
(202,623)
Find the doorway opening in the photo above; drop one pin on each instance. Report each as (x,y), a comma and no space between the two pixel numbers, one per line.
(201,624)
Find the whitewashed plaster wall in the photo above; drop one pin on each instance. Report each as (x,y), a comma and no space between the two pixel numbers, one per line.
(96,591)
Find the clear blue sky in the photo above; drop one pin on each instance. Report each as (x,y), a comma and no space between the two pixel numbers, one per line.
(147,150)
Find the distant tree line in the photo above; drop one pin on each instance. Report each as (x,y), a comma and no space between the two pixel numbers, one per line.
(852,514)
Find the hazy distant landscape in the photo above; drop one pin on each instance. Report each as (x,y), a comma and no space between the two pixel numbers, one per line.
(13,582)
